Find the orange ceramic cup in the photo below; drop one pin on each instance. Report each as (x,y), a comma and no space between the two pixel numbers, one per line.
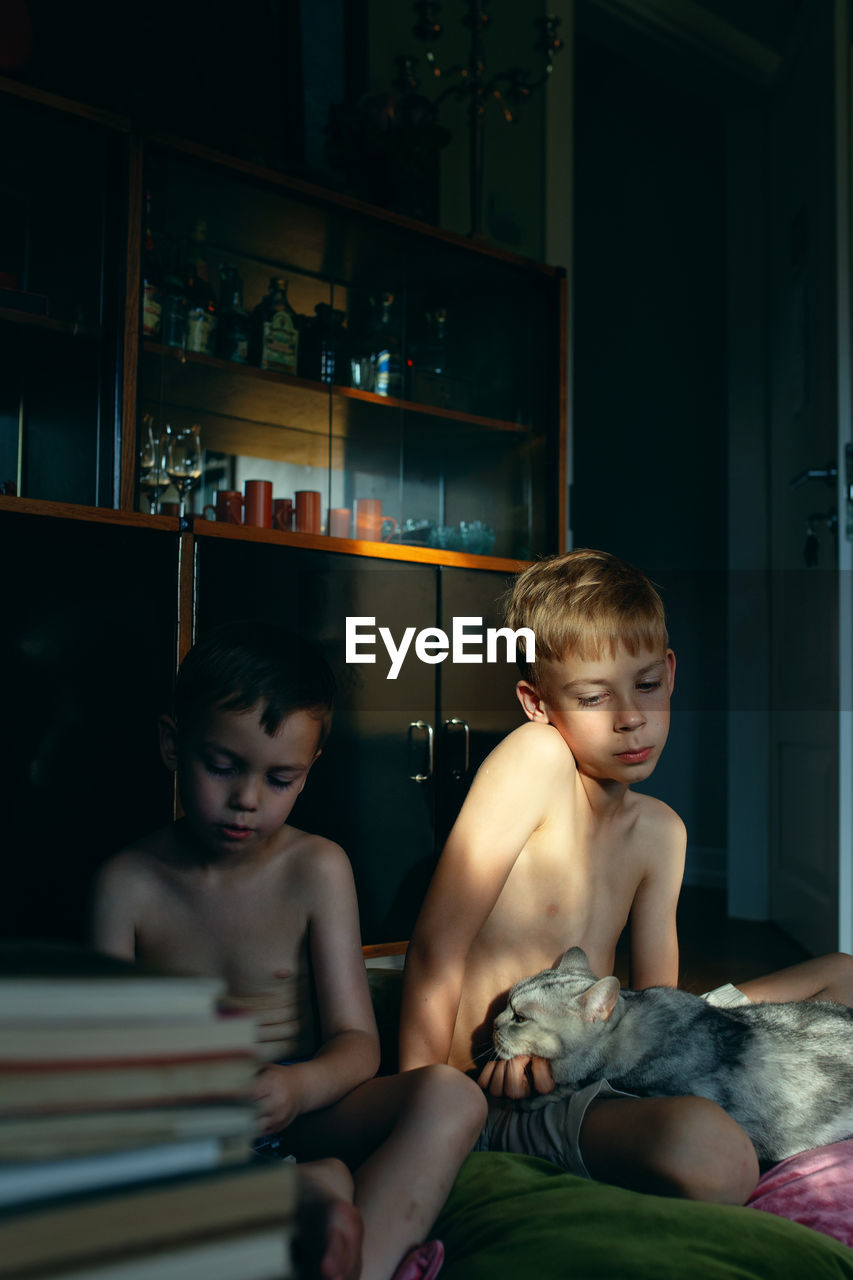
(259,503)
(309,510)
(227,506)
(338,523)
(370,524)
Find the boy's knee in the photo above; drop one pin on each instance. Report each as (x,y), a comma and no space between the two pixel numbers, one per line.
(701,1153)
(450,1097)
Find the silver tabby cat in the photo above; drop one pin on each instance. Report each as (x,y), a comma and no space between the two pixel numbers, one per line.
(783,1071)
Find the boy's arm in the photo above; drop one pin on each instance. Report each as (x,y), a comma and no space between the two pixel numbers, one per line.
(506,803)
(115,896)
(349,1052)
(654,938)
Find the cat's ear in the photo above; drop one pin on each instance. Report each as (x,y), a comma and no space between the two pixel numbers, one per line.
(574,960)
(598,1003)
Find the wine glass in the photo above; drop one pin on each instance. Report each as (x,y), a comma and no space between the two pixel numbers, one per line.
(152,472)
(184,460)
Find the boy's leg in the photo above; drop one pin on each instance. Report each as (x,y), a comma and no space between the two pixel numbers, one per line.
(685,1147)
(827,977)
(404,1137)
(330,1227)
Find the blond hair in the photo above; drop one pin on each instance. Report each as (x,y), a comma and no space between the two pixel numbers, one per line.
(584,604)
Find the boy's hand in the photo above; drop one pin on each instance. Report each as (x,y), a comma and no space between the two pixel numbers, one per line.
(278,1099)
(516,1077)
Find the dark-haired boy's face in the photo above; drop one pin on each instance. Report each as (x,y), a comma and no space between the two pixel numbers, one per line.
(612,711)
(238,784)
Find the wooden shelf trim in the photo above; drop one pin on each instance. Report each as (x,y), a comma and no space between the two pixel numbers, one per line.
(203,528)
(50,323)
(96,515)
(337,200)
(68,106)
(323,389)
(356,547)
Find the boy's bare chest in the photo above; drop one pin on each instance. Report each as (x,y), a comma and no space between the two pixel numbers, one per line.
(566,885)
(242,934)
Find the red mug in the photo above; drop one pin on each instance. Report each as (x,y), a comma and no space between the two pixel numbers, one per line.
(338,522)
(282,514)
(370,524)
(259,503)
(227,506)
(308,510)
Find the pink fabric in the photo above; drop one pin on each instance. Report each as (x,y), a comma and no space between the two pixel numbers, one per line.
(813,1187)
(421,1263)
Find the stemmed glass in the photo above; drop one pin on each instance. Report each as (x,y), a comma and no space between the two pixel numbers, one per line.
(153,478)
(184,460)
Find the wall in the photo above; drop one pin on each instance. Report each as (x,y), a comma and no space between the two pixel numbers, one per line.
(649,389)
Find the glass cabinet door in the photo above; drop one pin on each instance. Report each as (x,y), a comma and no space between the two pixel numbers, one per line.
(60,301)
(404,381)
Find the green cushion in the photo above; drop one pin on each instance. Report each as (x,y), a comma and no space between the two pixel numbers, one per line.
(515,1216)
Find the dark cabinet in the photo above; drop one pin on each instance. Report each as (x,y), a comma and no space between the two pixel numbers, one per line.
(428,393)
(62,254)
(87,655)
(401,754)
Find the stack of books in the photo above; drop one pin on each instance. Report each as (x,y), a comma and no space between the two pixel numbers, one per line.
(125,1129)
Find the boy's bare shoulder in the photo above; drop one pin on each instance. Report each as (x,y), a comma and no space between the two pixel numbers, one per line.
(536,746)
(146,857)
(659,826)
(314,857)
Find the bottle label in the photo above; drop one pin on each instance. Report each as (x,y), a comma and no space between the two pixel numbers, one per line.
(387,374)
(280,344)
(152,311)
(201,331)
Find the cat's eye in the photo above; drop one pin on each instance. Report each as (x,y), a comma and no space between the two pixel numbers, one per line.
(519,1017)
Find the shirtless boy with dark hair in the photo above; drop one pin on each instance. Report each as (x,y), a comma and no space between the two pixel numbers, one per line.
(233,890)
(553,849)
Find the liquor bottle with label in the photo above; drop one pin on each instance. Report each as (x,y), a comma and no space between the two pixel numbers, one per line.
(388,369)
(174,320)
(275,333)
(152,281)
(233,328)
(201,306)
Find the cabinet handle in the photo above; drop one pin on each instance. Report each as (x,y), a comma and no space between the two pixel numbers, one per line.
(457,773)
(430,733)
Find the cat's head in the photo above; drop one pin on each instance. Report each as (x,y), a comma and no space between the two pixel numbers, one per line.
(557,1012)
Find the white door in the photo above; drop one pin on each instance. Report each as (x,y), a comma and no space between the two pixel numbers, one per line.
(808,411)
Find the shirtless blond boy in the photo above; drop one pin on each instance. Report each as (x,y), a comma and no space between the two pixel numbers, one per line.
(235,891)
(553,849)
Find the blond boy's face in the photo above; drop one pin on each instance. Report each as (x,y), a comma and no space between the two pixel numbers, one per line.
(238,784)
(613,712)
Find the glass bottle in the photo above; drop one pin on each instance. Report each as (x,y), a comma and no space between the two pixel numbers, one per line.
(276,336)
(233,327)
(388,373)
(201,306)
(152,280)
(174,320)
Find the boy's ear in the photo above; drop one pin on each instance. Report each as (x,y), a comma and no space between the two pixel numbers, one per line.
(670,669)
(532,702)
(168,742)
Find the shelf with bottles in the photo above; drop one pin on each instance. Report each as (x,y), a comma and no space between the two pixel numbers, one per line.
(193,379)
(371,314)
